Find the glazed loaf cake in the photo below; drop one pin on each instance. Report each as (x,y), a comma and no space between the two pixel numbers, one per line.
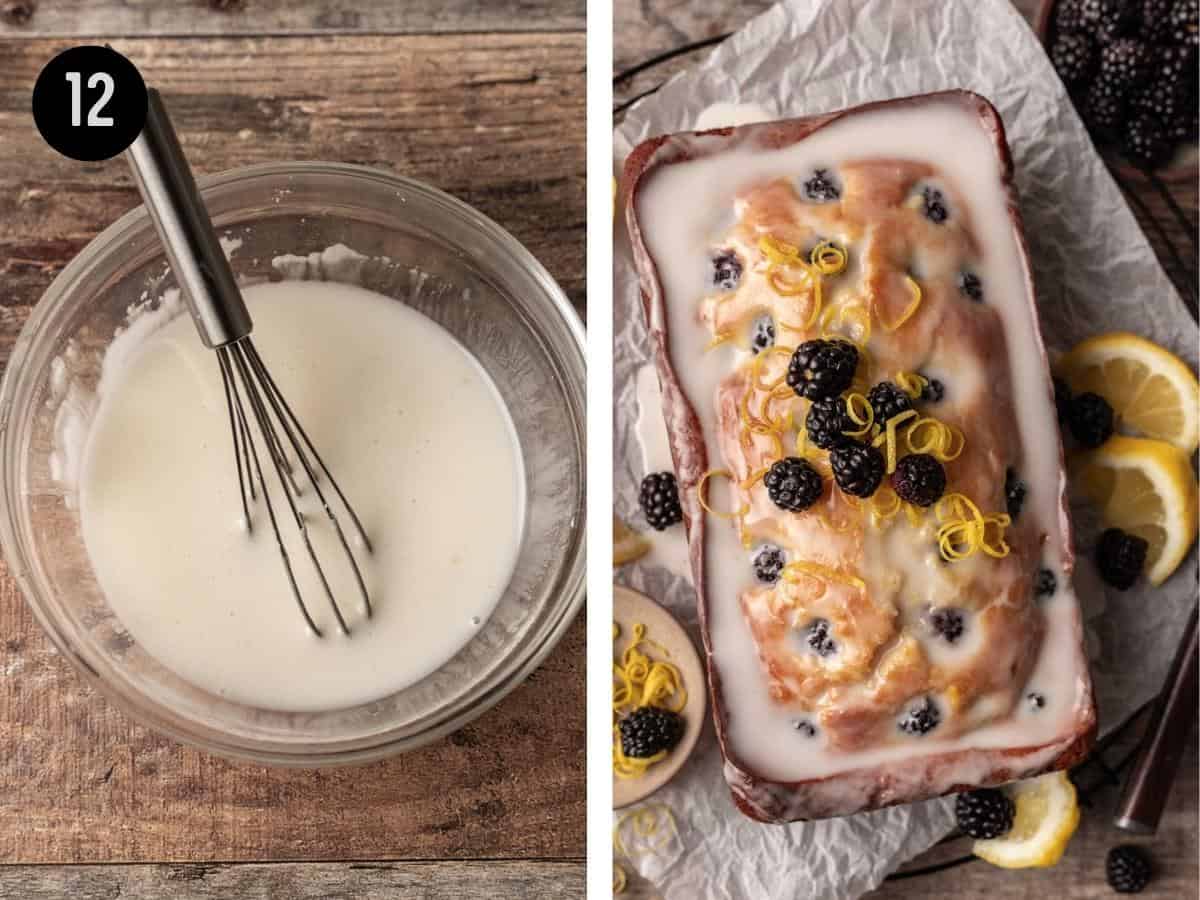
(862,422)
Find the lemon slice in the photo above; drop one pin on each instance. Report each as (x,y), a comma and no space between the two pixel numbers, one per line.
(1151,390)
(628,545)
(1147,488)
(1047,815)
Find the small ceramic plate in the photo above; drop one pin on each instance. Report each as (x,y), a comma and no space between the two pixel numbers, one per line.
(629,609)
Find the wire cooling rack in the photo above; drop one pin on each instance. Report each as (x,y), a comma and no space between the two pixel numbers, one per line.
(1097,771)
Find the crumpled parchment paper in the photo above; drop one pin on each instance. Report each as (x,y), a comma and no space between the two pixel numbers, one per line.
(1094,272)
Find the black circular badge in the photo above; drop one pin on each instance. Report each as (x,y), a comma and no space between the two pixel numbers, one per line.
(89,103)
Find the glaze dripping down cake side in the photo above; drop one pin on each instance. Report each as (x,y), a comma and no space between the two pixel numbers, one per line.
(860,413)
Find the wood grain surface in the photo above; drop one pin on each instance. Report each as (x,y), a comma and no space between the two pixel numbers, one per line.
(483,100)
(646,28)
(81,18)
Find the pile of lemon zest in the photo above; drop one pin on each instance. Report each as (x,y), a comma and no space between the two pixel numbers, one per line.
(944,442)
(786,287)
(828,258)
(887,437)
(799,569)
(701,494)
(911,383)
(619,880)
(910,310)
(757,365)
(863,415)
(778,251)
(964,531)
(646,825)
(638,681)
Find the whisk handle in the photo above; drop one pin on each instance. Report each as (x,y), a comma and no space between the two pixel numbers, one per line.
(169,191)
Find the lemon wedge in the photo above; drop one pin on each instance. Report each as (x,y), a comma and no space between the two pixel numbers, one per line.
(1147,488)
(1047,814)
(1152,391)
(628,545)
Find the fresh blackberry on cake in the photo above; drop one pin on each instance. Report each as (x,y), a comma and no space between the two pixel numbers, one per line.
(947,622)
(827,422)
(1107,19)
(1014,493)
(649,730)
(727,270)
(769,563)
(762,335)
(1062,400)
(821,368)
(659,498)
(984,814)
(933,391)
(1155,21)
(1074,58)
(1068,16)
(934,205)
(1184,23)
(821,188)
(920,719)
(1127,869)
(1104,107)
(919,479)
(857,468)
(1146,143)
(1125,64)
(969,285)
(887,401)
(819,638)
(1045,584)
(1091,419)
(1120,557)
(793,484)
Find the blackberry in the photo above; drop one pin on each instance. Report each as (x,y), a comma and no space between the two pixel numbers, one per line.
(857,468)
(1125,64)
(805,727)
(1120,557)
(969,285)
(1014,493)
(1074,58)
(1068,17)
(820,188)
(920,719)
(1146,143)
(1035,700)
(727,270)
(1104,106)
(649,730)
(659,498)
(1184,23)
(1175,66)
(769,563)
(1155,24)
(888,401)
(984,814)
(919,479)
(821,368)
(948,622)
(933,392)
(793,484)
(1127,869)
(934,206)
(1091,419)
(762,335)
(1062,400)
(819,639)
(1045,584)
(1107,19)
(827,422)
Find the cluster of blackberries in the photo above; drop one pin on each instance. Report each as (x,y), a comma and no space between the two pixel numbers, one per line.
(1088,417)
(1131,67)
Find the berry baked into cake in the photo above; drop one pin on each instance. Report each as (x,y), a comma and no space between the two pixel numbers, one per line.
(862,422)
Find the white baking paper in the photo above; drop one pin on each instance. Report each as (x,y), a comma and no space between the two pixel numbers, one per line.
(1094,271)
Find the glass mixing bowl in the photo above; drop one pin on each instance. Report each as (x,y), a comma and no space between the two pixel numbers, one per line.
(423,248)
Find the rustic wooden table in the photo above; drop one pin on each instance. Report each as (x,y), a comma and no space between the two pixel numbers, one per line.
(646,28)
(483,100)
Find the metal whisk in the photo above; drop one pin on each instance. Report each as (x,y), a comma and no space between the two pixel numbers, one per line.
(220,315)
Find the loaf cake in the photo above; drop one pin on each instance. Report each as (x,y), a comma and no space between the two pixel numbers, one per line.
(863,428)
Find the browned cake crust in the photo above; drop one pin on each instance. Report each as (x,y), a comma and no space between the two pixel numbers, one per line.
(867,788)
